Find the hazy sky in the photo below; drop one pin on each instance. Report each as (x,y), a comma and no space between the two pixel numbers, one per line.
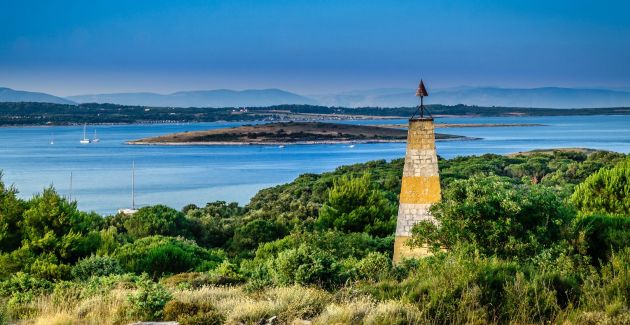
(73,47)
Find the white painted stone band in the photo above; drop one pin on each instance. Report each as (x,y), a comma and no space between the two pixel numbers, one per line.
(420,162)
(409,215)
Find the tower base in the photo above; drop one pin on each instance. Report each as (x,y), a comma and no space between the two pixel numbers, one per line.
(402,250)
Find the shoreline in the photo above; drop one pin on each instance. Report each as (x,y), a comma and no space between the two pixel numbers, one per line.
(483,125)
(329,117)
(369,117)
(467,125)
(278,143)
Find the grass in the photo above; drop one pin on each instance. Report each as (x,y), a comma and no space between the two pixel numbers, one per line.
(295,305)
(105,309)
(452,290)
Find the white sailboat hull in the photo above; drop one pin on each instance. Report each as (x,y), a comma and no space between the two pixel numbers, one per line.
(85,140)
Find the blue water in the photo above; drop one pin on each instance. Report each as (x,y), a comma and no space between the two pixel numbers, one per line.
(178,175)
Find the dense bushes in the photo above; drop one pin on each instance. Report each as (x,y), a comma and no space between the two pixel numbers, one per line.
(304,265)
(327,258)
(160,255)
(462,287)
(603,234)
(355,205)
(187,313)
(606,191)
(148,302)
(52,233)
(497,217)
(155,220)
(11,210)
(96,266)
(258,231)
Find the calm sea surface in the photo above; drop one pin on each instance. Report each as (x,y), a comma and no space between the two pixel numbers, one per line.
(179,175)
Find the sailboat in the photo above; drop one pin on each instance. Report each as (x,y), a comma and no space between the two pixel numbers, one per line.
(85,140)
(133,192)
(95,139)
(52,139)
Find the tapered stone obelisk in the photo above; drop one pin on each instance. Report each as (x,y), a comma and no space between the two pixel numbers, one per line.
(420,182)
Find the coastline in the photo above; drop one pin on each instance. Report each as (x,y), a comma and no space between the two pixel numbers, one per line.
(466,125)
(280,143)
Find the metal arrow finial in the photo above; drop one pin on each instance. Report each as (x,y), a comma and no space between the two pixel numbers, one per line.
(421,92)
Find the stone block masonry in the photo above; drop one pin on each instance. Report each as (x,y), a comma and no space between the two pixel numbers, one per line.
(420,186)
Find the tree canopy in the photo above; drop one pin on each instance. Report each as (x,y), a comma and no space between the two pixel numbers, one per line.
(497,217)
(605,192)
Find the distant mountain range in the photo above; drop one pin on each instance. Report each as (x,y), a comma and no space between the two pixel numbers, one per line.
(10,95)
(548,97)
(202,98)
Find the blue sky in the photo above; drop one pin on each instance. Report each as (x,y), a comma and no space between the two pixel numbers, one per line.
(72,47)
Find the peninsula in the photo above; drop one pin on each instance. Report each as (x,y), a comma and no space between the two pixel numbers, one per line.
(288,133)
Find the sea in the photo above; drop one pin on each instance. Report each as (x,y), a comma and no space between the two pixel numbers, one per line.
(99,175)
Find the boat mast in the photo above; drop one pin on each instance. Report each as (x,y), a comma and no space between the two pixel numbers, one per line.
(133,184)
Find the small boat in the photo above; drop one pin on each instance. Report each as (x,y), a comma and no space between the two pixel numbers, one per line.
(351,146)
(52,139)
(85,140)
(281,146)
(95,139)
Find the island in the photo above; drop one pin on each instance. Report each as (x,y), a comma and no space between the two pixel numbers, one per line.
(288,133)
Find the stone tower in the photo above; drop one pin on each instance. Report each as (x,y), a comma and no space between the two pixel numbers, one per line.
(420,184)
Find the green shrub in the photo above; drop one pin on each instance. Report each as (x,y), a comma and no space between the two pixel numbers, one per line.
(305,265)
(19,291)
(226,273)
(255,232)
(156,220)
(497,217)
(11,212)
(605,192)
(96,266)
(607,292)
(356,205)
(339,244)
(165,255)
(375,266)
(24,284)
(47,266)
(187,280)
(148,302)
(53,225)
(100,285)
(187,313)
(603,234)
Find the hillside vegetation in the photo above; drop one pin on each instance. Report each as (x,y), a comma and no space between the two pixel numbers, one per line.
(21,113)
(532,238)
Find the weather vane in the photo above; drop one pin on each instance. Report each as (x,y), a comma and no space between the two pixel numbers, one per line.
(421,92)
